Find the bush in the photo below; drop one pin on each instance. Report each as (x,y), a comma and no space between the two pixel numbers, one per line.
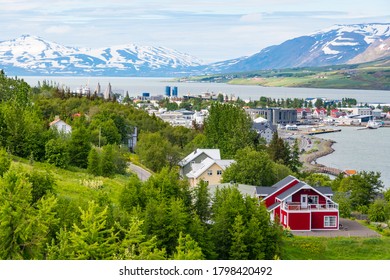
(5,161)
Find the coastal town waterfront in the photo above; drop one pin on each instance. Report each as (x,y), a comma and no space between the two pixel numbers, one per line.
(353,148)
(357,149)
(156,86)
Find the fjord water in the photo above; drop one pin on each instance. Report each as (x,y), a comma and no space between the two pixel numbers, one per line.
(156,86)
(355,149)
(360,149)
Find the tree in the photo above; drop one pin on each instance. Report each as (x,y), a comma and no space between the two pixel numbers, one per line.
(379,211)
(153,150)
(107,161)
(251,167)
(201,201)
(94,167)
(24,226)
(5,161)
(229,128)
(238,250)
(79,147)
(187,249)
(295,163)
(56,153)
(344,203)
(363,187)
(279,150)
(92,239)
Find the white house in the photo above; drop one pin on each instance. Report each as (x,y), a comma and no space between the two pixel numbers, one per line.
(61,126)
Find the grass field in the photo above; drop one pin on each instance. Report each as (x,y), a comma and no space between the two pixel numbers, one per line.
(336,248)
(373,75)
(77,183)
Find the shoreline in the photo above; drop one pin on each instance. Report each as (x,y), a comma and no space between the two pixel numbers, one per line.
(323,148)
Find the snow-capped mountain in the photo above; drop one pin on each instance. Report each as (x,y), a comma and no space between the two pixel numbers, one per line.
(339,44)
(29,55)
(336,45)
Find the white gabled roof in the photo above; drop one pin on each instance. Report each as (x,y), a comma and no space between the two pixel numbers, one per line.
(211,153)
(199,168)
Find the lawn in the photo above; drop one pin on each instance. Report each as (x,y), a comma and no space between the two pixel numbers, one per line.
(336,248)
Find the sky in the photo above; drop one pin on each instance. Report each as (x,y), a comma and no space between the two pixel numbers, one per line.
(209,30)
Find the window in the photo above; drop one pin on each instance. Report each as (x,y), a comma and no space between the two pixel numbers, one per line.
(329,221)
(209,172)
(312,199)
(219,172)
(285,219)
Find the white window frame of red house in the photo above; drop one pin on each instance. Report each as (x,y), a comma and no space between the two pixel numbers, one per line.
(329,221)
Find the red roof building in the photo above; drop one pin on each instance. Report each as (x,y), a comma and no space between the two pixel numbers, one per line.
(298,206)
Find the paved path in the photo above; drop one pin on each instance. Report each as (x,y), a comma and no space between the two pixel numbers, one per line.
(351,228)
(142,174)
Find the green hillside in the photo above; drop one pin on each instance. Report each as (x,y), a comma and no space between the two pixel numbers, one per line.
(373,75)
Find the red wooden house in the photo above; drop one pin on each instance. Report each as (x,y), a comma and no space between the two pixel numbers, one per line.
(299,206)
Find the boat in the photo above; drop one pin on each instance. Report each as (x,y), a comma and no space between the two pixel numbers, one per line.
(371,124)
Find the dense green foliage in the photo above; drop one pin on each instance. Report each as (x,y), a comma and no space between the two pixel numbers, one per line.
(51,213)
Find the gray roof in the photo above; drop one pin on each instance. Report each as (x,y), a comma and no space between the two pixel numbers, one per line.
(273,206)
(284,182)
(264,190)
(324,190)
(291,191)
(211,153)
(244,189)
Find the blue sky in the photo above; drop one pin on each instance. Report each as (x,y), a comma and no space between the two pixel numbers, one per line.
(210,30)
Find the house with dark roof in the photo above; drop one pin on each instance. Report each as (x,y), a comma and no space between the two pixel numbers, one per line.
(299,206)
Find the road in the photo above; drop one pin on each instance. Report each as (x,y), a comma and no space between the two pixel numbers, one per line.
(142,174)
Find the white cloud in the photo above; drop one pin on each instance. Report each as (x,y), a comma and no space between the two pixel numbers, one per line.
(252,18)
(58,29)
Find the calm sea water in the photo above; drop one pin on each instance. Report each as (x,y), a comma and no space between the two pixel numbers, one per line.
(367,149)
(355,149)
(156,86)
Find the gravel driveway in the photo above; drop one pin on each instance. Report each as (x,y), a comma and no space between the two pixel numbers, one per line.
(351,228)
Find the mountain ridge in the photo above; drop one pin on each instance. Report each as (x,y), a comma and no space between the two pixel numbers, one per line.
(338,44)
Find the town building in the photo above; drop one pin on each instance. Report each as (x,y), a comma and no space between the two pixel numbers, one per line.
(304,113)
(61,126)
(209,170)
(299,206)
(275,116)
(264,129)
(320,113)
(204,164)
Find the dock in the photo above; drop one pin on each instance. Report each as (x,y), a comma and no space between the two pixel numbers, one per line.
(321,131)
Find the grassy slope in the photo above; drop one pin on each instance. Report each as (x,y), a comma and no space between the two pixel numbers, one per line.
(340,248)
(69,183)
(372,75)
(366,78)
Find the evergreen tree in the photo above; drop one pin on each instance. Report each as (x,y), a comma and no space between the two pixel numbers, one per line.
(89,240)
(187,249)
(24,227)
(5,161)
(79,147)
(238,250)
(279,150)
(94,165)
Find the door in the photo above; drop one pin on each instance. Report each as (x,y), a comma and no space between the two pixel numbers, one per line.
(303,200)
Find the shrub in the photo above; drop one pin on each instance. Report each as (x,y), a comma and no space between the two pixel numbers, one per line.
(5,161)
